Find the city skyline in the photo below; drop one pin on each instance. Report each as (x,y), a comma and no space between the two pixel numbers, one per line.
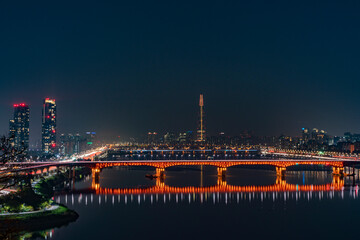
(179,119)
(270,68)
(140,136)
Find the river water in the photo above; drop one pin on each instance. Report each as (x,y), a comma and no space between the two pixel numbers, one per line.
(195,204)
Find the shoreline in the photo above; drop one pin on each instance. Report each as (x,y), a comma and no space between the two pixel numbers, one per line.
(53,207)
(52,216)
(38,220)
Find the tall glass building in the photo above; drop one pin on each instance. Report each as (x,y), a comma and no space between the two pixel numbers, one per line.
(19,127)
(49,127)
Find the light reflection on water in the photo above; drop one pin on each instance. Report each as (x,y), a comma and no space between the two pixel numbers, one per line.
(124,199)
(214,198)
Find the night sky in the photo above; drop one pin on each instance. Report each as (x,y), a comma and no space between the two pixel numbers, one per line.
(127,67)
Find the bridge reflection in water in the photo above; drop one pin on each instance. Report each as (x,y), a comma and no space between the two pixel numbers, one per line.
(223,187)
(219,193)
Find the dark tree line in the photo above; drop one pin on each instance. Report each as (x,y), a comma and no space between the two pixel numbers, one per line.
(8,153)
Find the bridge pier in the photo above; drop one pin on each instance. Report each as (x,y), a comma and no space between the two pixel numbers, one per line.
(69,171)
(338,171)
(95,173)
(160,173)
(221,181)
(221,174)
(201,176)
(280,171)
(72,176)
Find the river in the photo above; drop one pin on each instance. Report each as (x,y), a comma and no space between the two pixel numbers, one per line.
(195,204)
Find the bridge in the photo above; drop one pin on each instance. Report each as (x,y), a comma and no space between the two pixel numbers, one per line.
(160,165)
(279,159)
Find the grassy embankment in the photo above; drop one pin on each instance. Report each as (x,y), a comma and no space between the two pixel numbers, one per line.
(31,208)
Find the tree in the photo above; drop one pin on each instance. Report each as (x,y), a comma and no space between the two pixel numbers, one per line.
(8,153)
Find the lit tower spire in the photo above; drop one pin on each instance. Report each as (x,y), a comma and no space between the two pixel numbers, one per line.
(201,129)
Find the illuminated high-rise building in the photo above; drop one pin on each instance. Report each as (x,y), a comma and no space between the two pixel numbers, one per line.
(72,144)
(201,128)
(49,126)
(305,135)
(19,127)
(152,138)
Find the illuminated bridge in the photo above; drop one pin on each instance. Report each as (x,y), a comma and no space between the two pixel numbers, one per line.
(160,165)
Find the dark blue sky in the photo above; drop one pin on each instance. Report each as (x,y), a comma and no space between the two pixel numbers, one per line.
(126,67)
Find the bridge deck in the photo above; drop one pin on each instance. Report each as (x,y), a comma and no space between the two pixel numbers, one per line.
(27,166)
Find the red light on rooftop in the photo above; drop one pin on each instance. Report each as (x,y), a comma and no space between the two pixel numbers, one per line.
(49,99)
(53,145)
(20,105)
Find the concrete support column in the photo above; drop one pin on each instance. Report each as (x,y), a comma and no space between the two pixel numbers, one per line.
(280,171)
(202,176)
(221,175)
(95,173)
(160,173)
(338,171)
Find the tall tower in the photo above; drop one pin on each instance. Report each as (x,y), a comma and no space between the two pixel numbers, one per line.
(201,128)
(19,127)
(49,126)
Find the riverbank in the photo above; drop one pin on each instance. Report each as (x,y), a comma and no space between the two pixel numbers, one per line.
(31,208)
(56,216)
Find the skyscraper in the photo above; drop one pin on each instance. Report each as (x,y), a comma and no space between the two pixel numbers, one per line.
(201,128)
(49,126)
(72,144)
(19,127)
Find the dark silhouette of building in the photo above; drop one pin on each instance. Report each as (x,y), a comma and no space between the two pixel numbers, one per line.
(19,127)
(72,144)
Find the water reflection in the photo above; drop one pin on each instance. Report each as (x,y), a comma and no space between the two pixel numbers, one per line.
(221,193)
(124,201)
